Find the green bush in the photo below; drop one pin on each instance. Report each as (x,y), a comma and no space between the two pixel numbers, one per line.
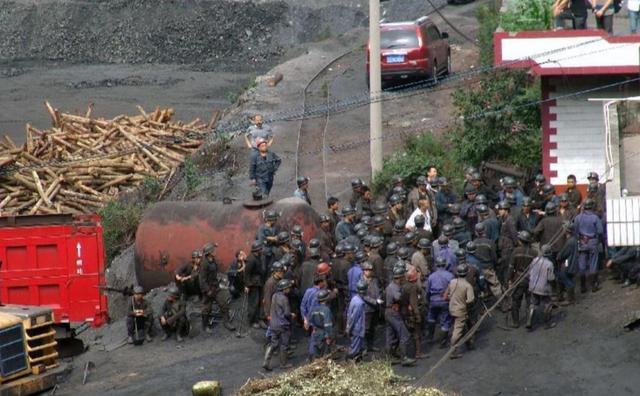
(119,223)
(513,134)
(192,177)
(419,151)
(522,15)
(488,16)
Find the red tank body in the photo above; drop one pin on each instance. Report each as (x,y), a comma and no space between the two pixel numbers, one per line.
(170,231)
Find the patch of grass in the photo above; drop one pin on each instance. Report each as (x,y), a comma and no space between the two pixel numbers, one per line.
(151,188)
(232,97)
(192,177)
(119,224)
(326,34)
(325,89)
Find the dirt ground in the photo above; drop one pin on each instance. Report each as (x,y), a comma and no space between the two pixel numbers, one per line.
(587,353)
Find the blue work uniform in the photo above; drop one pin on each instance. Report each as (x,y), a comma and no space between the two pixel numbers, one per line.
(321,325)
(280,324)
(435,287)
(309,301)
(262,169)
(344,230)
(396,331)
(356,325)
(589,230)
(354,275)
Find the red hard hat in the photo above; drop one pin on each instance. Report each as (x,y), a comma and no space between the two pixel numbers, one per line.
(259,141)
(323,269)
(412,275)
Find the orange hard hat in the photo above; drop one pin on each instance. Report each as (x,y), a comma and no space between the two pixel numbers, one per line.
(323,269)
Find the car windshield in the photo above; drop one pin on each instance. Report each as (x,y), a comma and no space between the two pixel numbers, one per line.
(398,39)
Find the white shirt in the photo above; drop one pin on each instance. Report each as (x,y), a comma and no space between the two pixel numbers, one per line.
(265,132)
(633,5)
(411,224)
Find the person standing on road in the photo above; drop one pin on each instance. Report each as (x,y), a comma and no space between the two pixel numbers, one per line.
(438,310)
(413,309)
(371,311)
(549,232)
(356,192)
(321,326)
(344,229)
(507,240)
(263,165)
(460,295)
(590,231)
(541,274)
(258,131)
(397,335)
(518,268)
(356,324)
(253,275)
(139,317)
(280,325)
(302,191)
(211,290)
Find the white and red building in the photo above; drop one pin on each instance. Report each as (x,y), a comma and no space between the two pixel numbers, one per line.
(576,68)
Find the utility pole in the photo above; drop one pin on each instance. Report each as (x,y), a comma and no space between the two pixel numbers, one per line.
(375,87)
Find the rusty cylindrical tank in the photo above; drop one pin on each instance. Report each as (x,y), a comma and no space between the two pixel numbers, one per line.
(169,231)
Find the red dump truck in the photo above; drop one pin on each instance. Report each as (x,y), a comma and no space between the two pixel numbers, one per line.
(55,261)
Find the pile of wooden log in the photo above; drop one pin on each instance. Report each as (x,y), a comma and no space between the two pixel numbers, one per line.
(81,163)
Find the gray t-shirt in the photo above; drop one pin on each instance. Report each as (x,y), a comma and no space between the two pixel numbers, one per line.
(254,132)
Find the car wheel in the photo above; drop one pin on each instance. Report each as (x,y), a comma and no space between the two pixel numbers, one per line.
(434,72)
(449,66)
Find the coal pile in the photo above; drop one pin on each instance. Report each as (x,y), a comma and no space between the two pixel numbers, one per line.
(224,35)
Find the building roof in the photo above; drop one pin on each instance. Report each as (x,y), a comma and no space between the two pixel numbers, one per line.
(568,52)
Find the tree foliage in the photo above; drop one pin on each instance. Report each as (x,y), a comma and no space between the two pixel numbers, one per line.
(418,153)
(522,15)
(488,16)
(498,122)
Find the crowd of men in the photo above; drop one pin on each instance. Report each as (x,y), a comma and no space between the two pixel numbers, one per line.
(419,261)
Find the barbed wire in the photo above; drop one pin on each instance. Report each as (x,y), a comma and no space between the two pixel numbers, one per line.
(339,106)
(401,91)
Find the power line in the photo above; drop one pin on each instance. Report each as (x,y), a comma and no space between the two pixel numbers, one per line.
(364,99)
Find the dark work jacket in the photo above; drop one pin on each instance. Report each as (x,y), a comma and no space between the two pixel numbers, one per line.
(308,269)
(268,292)
(625,254)
(548,228)
(209,276)
(263,232)
(486,252)
(280,312)
(253,271)
(263,168)
(569,253)
(142,305)
(173,310)
(520,260)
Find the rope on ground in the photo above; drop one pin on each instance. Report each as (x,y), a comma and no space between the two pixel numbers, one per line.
(487,313)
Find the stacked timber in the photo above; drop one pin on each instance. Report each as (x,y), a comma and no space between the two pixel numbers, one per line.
(81,163)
